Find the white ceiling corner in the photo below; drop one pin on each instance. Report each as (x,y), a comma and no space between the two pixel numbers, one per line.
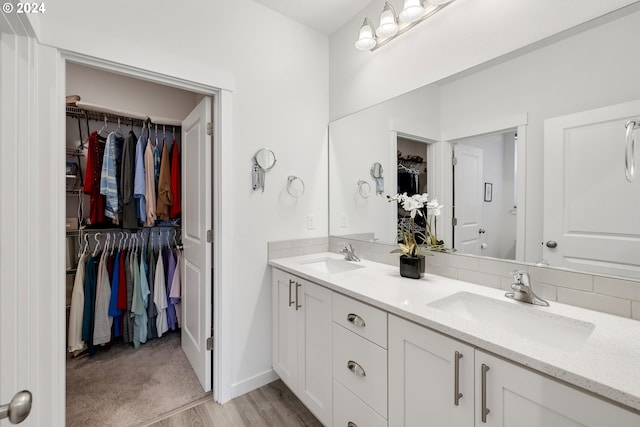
(326,16)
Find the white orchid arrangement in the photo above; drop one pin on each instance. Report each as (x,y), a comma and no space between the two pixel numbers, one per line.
(416,205)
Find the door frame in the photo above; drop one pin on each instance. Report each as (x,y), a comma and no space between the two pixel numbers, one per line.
(221,175)
(469,129)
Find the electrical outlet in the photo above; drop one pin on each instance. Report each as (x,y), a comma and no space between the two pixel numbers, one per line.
(311,222)
(343,220)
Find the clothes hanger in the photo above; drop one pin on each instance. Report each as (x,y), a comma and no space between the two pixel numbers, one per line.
(86,246)
(104,128)
(95,250)
(118,131)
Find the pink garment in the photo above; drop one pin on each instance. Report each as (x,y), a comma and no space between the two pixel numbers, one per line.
(175,293)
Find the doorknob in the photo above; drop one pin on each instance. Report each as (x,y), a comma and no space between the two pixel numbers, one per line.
(552,244)
(18,409)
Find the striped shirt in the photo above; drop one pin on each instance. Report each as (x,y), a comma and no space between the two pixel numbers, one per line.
(108,179)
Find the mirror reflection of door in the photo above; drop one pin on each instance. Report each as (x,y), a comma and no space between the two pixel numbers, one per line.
(412,176)
(486,226)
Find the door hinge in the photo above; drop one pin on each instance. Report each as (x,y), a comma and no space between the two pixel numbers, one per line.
(210,343)
(454,161)
(210,128)
(454,221)
(209,236)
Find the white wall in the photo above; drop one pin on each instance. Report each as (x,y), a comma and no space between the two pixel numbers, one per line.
(589,70)
(464,34)
(358,141)
(278,71)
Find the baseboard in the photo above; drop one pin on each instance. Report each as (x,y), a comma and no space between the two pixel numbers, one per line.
(250,384)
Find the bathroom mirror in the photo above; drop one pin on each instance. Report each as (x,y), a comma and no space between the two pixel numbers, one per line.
(263,160)
(584,69)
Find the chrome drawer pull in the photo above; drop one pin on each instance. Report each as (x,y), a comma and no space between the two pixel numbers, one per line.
(456,374)
(298,285)
(485,410)
(352,424)
(356,320)
(356,369)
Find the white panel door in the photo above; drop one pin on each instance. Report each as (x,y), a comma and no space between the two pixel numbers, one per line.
(518,397)
(468,198)
(590,210)
(196,220)
(314,305)
(422,377)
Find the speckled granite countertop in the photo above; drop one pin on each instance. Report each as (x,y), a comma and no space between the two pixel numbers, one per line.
(607,364)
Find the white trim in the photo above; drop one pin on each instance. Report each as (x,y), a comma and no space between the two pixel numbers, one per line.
(484,127)
(245,386)
(222,110)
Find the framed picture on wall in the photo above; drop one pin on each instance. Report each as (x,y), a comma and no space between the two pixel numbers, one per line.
(488,191)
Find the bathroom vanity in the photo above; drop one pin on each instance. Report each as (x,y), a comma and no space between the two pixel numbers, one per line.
(361,346)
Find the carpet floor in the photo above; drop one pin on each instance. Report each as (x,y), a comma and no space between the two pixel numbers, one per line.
(126,387)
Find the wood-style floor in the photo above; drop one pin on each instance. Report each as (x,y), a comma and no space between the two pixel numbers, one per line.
(270,405)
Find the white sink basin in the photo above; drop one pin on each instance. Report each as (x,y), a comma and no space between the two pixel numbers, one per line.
(332,266)
(527,322)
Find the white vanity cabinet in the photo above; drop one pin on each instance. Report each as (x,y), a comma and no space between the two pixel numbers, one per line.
(518,397)
(302,340)
(430,377)
(423,385)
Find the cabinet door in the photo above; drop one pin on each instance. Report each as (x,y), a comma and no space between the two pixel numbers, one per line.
(422,378)
(284,347)
(518,397)
(314,310)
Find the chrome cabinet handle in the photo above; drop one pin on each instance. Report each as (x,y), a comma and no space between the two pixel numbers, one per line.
(352,424)
(356,368)
(356,320)
(485,410)
(297,287)
(291,282)
(456,373)
(630,151)
(18,409)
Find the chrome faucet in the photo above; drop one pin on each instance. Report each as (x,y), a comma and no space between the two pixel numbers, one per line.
(522,290)
(349,253)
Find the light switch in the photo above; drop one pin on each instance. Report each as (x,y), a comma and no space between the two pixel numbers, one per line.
(343,220)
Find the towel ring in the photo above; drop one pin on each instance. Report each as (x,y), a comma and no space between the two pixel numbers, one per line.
(364,189)
(295,186)
(630,151)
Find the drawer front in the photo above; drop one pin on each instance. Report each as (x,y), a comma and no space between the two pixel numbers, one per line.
(361,366)
(347,408)
(364,320)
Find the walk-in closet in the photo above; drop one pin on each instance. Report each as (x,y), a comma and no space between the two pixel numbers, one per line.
(125,207)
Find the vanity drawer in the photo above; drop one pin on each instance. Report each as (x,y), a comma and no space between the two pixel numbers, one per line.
(347,408)
(363,319)
(361,366)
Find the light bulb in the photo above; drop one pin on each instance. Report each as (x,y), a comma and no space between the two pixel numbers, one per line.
(412,11)
(367,39)
(388,25)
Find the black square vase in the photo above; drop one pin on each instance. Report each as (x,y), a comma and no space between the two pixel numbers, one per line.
(412,266)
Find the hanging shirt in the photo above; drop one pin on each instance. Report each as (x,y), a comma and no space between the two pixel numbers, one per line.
(175,294)
(160,298)
(127,176)
(109,176)
(75,343)
(171,269)
(138,182)
(91,277)
(150,186)
(144,291)
(176,207)
(152,313)
(95,155)
(114,312)
(156,165)
(102,322)
(137,304)
(127,316)
(165,196)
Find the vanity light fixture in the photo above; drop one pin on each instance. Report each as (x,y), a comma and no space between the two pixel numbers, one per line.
(392,25)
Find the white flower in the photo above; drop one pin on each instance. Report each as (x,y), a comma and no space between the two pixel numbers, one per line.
(434,208)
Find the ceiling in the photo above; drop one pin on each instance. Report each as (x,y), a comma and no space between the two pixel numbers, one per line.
(326,16)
